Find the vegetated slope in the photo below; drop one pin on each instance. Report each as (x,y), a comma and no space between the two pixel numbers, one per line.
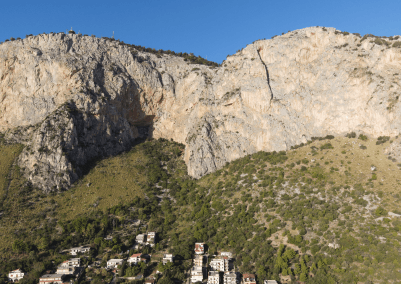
(88,98)
(330,191)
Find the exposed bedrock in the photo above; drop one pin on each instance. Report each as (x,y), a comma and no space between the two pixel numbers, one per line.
(79,98)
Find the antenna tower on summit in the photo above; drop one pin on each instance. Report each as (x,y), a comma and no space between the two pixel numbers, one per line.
(113,35)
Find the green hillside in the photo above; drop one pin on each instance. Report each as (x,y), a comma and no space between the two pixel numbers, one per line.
(276,212)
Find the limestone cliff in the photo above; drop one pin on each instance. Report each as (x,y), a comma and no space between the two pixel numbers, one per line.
(84,98)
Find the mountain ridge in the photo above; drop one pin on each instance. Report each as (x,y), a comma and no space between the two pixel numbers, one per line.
(85,98)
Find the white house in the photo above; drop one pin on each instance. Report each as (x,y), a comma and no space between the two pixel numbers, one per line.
(66,270)
(225,253)
(141,238)
(270,282)
(199,248)
(213,277)
(81,249)
(168,257)
(51,278)
(15,275)
(151,238)
(75,262)
(135,258)
(217,264)
(196,274)
(113,263)
(230,278)
(334,245)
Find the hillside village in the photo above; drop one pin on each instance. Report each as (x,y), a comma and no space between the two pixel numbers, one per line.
(207,269)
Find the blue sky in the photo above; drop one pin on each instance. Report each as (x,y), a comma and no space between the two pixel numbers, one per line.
(207,28)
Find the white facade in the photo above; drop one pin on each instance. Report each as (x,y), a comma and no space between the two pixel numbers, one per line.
(270,282)
(113,263)
(168,257)
(217,264)
(213,277)
(225,253)
(196,274)
(150,238)
(82,249)
(66,270)
(134,259)
(74,262)
(15,275)
(230,278)
(198,260)
(140,239)
(51,278)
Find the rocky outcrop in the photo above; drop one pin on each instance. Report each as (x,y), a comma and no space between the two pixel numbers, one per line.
(85,98)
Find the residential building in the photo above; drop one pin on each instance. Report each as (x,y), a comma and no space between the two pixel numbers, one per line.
(248,278)
(270,282)
(75,262)
(230,278)
(151,238)
(168,257)
(227,263)
(198,260)
(15,275)
(141,239)
(213,277)
(217,264)
(150,281)
(67,270)
(334,245)
(81,249)
(225,253)
(135,258)
(113,263)
(199,248)
(51,278)
(196,274)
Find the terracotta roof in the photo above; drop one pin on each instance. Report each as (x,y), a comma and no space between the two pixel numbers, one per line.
(248,275)
(136,255)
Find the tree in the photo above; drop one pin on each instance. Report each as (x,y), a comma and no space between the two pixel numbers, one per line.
(303,277)
(166,280)
(19,246)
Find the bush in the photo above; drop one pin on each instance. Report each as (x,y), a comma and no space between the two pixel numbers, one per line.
(326,146)
(351,135)
(382,139)
(362,137)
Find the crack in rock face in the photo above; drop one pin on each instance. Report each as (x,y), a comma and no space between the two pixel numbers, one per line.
(75,99)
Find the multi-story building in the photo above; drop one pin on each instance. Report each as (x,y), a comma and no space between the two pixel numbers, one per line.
(15,275)
(198,260)
(67,270)
(113,263)
(151,238)
(168,257)
(217,264)
(213,277)
(196,274)
(51,278)
(230,278)
(141,239)
(74,262)
(135,258)
(81,249)
(199,248)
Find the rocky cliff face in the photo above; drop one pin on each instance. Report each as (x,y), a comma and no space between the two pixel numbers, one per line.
(78,98)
